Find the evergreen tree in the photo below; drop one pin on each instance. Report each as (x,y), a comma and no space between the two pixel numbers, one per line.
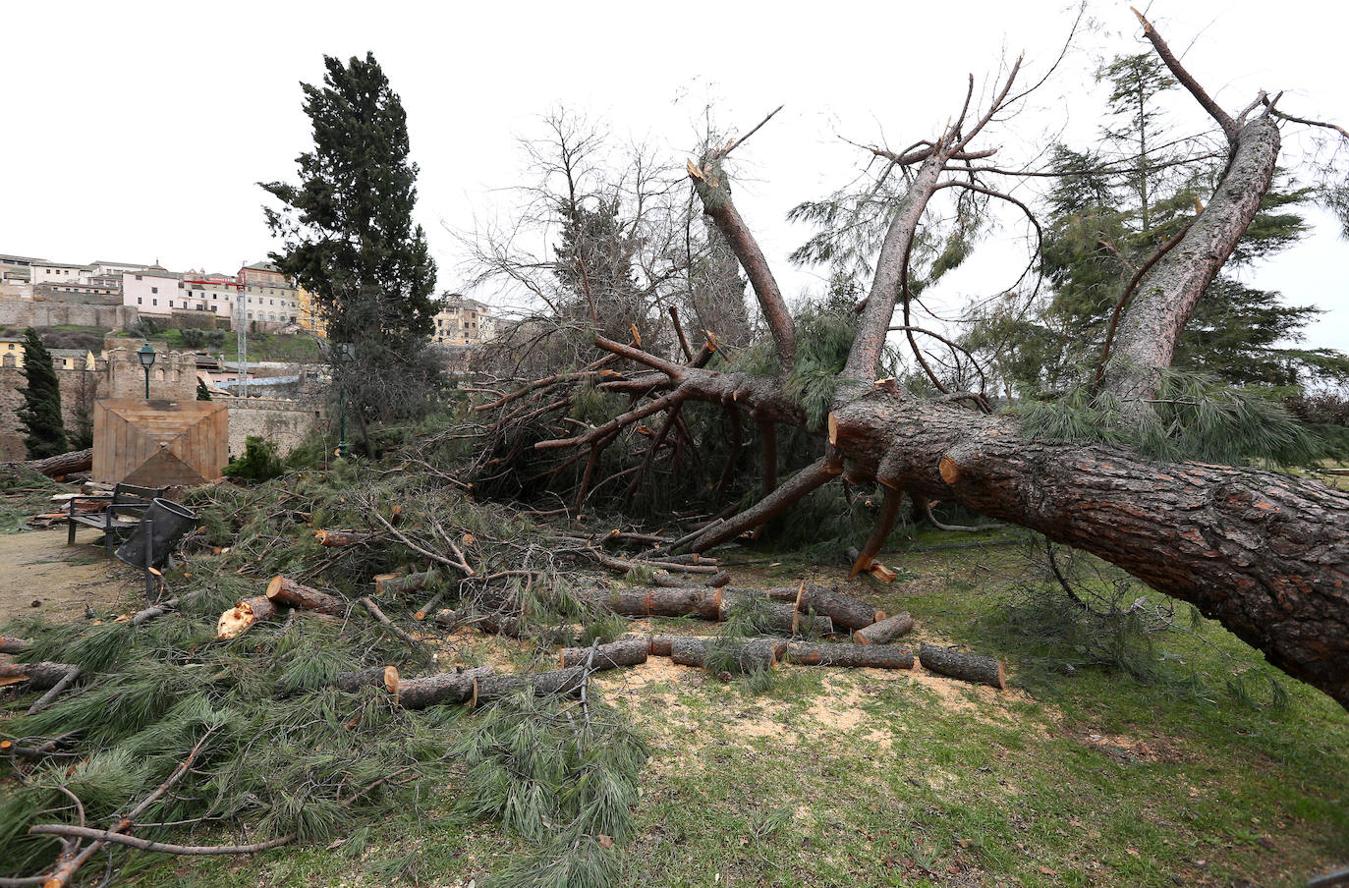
(350,239)
(1110,209)
(203,393)
(40,414)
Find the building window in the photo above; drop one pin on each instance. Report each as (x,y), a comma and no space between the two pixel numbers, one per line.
(138,277)
(154,289)
(140,301)
(154,301)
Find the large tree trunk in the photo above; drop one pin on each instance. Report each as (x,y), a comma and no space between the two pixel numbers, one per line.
(1265,554)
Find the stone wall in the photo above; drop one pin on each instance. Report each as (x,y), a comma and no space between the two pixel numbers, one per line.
(172,378)
(280,420)
(76,386)
(31,313)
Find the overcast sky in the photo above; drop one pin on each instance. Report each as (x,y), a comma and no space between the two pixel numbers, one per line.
(135,131)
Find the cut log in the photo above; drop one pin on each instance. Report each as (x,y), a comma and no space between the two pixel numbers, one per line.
(493,623)
(966,667)
(719,580)
(64,464)
(743,655)
(875,656)
(396,584)
(421,613)
(779,618)
(240,618)
(623,652)
(885,631)
(845,611)
(40,676)
(288,592)
(561,682)
(336,538)
(385,677)
(685,602)
(11,645)
(444,687)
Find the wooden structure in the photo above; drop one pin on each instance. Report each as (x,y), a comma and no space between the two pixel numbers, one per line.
(160,443)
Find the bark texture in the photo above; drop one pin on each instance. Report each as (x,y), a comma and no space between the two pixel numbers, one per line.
(967,667)
(885,631)
(1167,295)
(623,652)
(872,656)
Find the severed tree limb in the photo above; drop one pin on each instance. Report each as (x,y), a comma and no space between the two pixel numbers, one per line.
(384,621)
(714,190)
(72,673)
(117,838)
(1223,119)
(885,523)
(813,476)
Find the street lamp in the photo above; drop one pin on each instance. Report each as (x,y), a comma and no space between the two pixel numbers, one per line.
(346,351)
(147,355)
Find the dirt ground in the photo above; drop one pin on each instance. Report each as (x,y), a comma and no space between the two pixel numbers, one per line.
(44,575)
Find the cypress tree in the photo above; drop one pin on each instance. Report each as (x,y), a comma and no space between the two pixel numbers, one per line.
(203,393)
(347,226)
(40,414)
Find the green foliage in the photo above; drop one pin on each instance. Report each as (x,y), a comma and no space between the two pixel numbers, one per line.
(348,225)
(260,462)
(565,782)
(1194,417)
(23,492)
(349,238)
(40,414)
(203,393)
(195,339)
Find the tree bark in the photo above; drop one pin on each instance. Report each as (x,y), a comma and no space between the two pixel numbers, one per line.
(561,682)
(64,464)
(662,602)
(623,652)
(873,656)
(292,594)
(967,667)
(845,611)
(885,631)
(444,687)
(1167,294)
(40,676)
(396,584)
(744,654)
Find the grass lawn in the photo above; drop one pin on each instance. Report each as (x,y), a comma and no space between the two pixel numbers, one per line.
(836,777)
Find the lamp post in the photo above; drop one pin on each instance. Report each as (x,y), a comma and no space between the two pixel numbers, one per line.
(345,352)
(147,355)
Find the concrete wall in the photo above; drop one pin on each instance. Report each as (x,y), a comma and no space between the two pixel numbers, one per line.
(75,384)
(282,421)
(30,313)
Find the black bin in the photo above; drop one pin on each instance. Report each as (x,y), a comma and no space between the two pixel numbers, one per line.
(167,522)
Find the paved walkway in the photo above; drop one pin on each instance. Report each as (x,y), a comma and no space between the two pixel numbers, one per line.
(37,566)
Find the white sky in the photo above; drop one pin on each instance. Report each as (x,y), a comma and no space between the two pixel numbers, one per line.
(135,131)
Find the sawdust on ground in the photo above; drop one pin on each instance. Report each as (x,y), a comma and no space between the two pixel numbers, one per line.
(47,577)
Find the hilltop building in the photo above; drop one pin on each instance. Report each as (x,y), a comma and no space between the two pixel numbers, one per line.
(462,321)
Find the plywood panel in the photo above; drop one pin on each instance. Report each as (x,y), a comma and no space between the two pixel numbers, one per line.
(160,443)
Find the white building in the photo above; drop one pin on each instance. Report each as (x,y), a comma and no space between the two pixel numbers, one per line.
(153,290)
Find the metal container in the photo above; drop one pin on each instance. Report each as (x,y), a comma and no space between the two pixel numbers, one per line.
(162,525)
